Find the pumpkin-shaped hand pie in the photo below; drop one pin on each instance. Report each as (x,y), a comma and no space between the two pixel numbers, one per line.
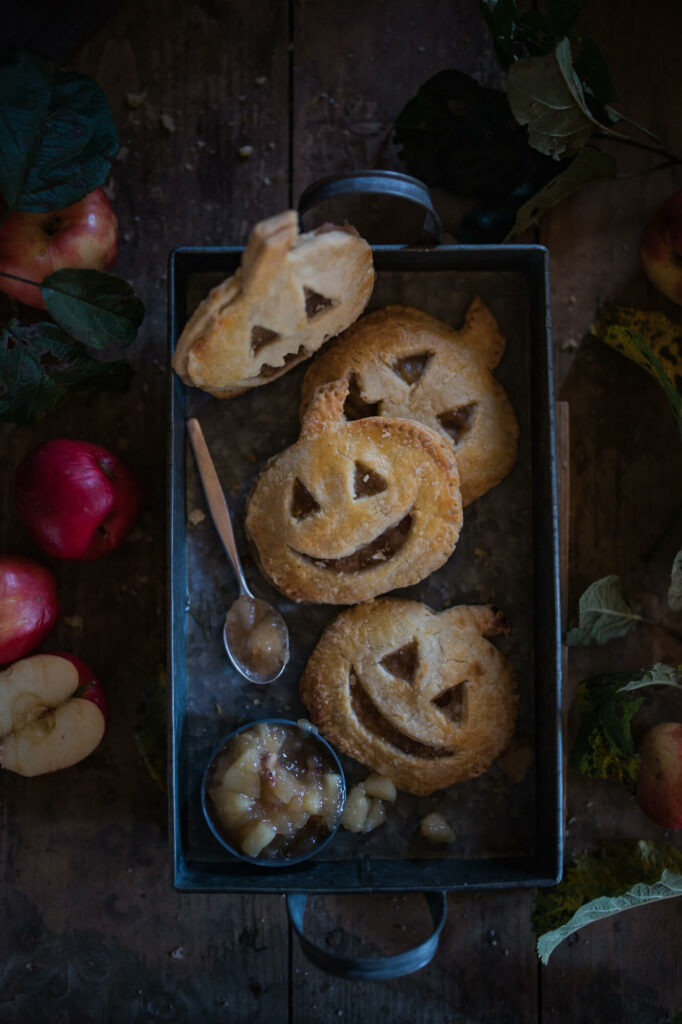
(417,696)
(401,361)
(290,294)
(354,509)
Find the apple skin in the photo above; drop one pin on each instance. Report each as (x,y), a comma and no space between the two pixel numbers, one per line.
(75,499)
(660,248)
(659,784)
(89,686)
(29,607)
(33,245)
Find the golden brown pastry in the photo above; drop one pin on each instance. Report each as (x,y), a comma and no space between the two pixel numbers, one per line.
(291,293)
(354,509)
(418,696)
(401,361)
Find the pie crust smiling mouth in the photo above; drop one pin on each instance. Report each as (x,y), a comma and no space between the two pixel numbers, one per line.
(381,549)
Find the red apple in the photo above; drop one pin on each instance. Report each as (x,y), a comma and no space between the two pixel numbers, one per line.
(28,605)
(76,499)
(52,714)
(660,249)
(659,784)
(33,245)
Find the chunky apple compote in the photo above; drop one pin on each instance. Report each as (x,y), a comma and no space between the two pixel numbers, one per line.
(256,635)
(274,792)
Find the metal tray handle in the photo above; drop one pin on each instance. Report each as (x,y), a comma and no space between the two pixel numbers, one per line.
(390,183)
(375,968)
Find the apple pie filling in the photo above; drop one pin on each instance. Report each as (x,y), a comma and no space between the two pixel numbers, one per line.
(274,791)
(256,636)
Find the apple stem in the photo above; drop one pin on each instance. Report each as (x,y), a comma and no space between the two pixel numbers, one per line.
(15,277)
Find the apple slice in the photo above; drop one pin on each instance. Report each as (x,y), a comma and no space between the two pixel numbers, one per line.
(53,713)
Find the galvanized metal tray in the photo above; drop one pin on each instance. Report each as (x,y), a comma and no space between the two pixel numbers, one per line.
(509,832)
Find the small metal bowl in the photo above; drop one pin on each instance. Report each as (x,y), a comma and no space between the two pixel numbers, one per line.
(206,803)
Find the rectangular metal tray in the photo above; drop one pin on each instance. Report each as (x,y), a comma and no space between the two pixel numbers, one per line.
(508,833)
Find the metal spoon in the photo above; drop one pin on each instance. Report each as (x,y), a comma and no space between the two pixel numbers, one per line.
(221,520)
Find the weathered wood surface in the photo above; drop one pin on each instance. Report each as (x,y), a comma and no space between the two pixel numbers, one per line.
(92,931)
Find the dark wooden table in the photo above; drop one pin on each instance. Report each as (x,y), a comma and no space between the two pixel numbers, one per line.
(91,928)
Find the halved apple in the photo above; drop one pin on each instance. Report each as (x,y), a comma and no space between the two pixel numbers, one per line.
(53,713)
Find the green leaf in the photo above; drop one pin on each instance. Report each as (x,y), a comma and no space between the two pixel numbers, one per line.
(94,307)
(457,135)
(675,589)
(546,95)
(603,883)
(603,747)
(590,164)
(57,136)
(603,614)
(151,727)
(41,368)
(659,675)
(651,340)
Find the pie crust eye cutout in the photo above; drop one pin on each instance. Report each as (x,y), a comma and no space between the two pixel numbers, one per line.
(383,547)
(411,368)
(457,422)
(367,481)
(355,407)
(315,303)
(302,502)
(262,336)
(372,719)
(453,703)
(403,662)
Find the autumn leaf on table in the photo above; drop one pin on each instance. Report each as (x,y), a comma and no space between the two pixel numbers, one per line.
(651,340)
(40,368)
(603,883)
(603,614)
(603,747)
(57,136)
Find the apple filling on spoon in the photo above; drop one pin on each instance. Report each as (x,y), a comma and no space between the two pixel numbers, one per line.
(53,713)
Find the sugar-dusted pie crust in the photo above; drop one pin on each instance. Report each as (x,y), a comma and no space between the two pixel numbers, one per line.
(291,293)
(418,696)
(352,510)
(401,361)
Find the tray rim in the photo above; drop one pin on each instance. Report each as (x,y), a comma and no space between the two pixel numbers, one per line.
(543,868)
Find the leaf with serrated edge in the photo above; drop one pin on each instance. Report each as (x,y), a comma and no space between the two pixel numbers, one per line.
(57,136)
(675,588)
(659,675)
(541,98)
(41,368)
(589,165)
(96,308)
(603,614)
(601,884)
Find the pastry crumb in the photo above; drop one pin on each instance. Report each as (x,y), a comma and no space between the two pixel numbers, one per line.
(167,123)
(195,516)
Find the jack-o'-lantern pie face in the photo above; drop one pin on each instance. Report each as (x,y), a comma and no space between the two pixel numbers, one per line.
(291,293)
(401,361)
(354,509)
(420,697)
